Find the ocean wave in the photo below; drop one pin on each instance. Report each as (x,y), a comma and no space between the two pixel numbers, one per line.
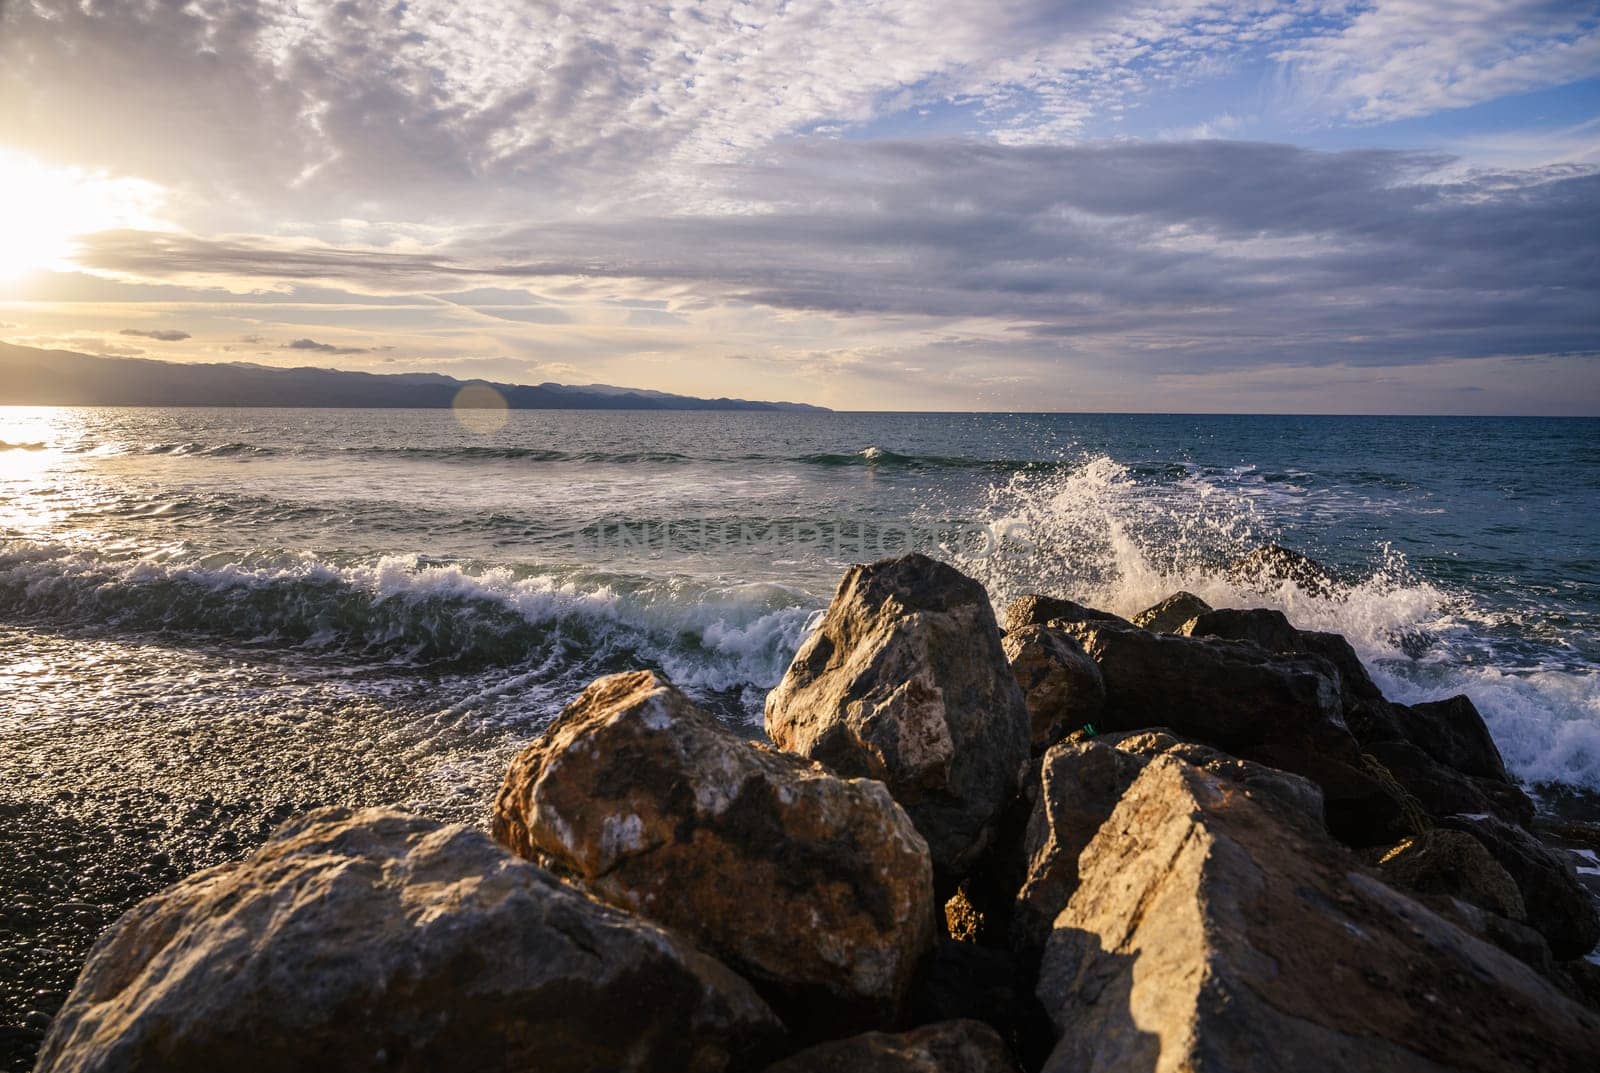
(4,446)
(1102,533)
(398,612)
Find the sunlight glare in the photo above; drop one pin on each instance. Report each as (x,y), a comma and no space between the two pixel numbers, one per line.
(44,209)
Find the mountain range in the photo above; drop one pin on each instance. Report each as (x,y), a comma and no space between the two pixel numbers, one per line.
(32,377)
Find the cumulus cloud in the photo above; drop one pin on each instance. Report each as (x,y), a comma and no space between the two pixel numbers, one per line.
(161,335)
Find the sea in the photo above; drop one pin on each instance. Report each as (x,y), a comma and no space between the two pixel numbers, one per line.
(211,619)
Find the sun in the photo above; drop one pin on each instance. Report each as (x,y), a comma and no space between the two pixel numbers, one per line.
(44,209)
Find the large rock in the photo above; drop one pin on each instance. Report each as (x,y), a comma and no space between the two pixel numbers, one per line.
(1558,907)
(1035,609)
(816,888)
(1454,733)
(1171,613)
(374,940)
(905,681)
(1283,710)
(1453,864)
(1440,753)
(1061,685)
(1444,791)
(947,1047)
(1080,784)
(1207,935)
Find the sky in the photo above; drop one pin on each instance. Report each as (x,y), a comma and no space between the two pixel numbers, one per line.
(1238,206)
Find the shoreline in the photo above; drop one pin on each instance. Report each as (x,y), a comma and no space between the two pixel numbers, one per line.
(1045,634)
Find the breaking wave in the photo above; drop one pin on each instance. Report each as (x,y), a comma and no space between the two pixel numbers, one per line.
(1102,533)
(731,642)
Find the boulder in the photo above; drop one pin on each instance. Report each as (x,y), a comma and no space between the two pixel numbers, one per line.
(1061,685)
(947,1047)
(1558,908)
(905,681)
(817,889)
(1259,625)
(1208,935)
(1269,567)
(1037,610)
(1283,710)
(1229,695)
(1171,613)
(1454,733)
(1080,785)
(1453,864)
(1441,755)
(1444,791)
(1368,715)
(367,940)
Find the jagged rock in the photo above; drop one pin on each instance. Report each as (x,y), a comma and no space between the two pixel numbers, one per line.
(1268,567)
(1061,686)
(1037,610)
(1171,613)
(946,1047)
(1454,864)
(818,889)
(1443,791)
(1228,695)
(905,681)
(1454,733)
(1283,710)
(1440,752)
(367,940)
(1558,908)
(1080,785)
(1259,625)
(1207,935)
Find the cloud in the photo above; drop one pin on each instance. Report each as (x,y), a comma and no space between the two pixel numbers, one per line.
(325,348)
(163,335)
(1395,59)
(1170,255)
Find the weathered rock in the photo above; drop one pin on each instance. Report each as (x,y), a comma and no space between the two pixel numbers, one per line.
(1453,733)
(1558,908)
(1207,935)
(1266,568)
(1283,710)
(946,1047)
(1038,610)
(1454,864)
(1171,613)
(905,681)
(1080,785)
(1061,685)
(818,889)
(1259,625)
(1229,695)
(1368,715)
(1443,791)
(377,940)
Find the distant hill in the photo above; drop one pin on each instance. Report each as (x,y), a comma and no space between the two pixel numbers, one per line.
(63,378)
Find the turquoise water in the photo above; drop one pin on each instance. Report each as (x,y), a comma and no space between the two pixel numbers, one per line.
(212,619)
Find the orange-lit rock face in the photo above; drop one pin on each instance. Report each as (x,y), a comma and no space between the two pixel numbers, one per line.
(904,680)
(817,888)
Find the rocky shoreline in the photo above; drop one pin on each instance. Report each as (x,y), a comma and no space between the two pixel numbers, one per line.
(1201,839)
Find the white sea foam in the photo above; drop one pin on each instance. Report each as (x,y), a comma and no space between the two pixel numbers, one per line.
(1108,539)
